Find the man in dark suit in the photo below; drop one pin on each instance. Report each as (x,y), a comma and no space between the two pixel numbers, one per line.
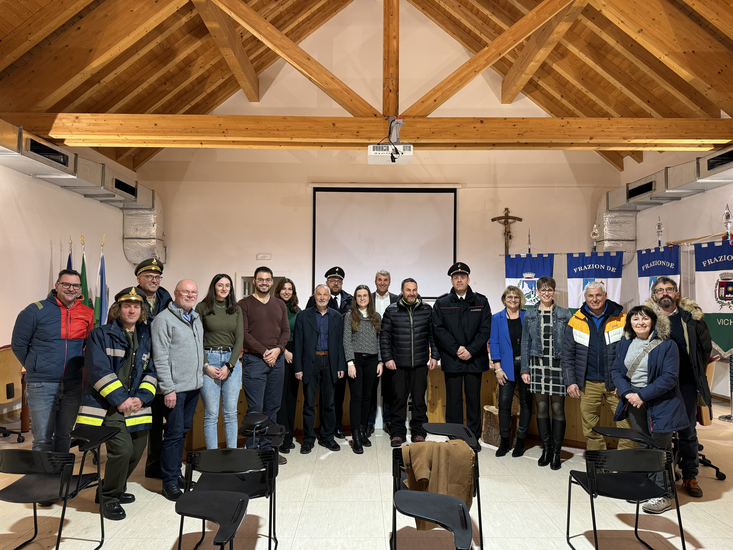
(383,298)
(318,358)
(341,302)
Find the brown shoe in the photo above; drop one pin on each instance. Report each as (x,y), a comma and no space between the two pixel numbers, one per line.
(692,488)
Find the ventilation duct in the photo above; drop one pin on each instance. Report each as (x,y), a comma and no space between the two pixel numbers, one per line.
(617,229)
(142,231)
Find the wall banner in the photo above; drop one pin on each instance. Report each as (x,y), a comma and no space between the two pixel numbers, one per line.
(714,292)
(657,262)
(605,267)
(523,270)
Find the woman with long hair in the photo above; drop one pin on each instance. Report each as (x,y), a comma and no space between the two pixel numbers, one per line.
(285,290)
(223,341)
(646,374)
(542,336)
(506,349)
(364,360)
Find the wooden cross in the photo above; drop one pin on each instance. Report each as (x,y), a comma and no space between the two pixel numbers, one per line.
(506,220)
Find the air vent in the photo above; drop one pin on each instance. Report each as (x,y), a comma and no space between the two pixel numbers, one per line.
(722,160)
(49,153)
(125,187)
(640,189)
(716,169)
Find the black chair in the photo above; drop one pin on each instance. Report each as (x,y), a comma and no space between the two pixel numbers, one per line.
(47,477)
(449,512)
(229,477)
(624,474)
(422,504)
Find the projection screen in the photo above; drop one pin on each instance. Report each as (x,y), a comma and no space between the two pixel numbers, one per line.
(408,232)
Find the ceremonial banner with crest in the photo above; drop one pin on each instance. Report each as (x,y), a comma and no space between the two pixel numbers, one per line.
(657,262)
(584,268)
(523,270)
(714,292)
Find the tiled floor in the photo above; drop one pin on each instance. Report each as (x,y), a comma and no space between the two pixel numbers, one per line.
(341,500)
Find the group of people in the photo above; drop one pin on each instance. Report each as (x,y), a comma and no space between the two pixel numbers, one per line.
(157,354)
(648,364)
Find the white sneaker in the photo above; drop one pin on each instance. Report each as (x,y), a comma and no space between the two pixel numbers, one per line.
(657,505)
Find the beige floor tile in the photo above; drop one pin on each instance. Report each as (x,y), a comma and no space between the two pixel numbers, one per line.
(543,488)
(342,488)
(334,543)
(507,519)
(341,520)
(503,488)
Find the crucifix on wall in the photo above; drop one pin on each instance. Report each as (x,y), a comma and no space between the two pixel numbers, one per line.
(506,220)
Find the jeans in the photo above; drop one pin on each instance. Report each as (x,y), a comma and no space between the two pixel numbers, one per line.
(590,415)
(689,460)
(53,407)
(361,389)
(228,391)
(263,388)
(506,397)
(178,422)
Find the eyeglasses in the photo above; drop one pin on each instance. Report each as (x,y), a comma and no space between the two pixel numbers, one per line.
(512,298)
(263,280)
(69,286)
(546,291)
(661,291)
(152,277)
(188,292)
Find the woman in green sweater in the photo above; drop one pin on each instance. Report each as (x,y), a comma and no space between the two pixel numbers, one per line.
(285,290)
(223,341)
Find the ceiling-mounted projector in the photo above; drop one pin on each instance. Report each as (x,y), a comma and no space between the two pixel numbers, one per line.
(389,153)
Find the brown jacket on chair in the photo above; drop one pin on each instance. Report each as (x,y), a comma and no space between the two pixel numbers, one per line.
(439,467)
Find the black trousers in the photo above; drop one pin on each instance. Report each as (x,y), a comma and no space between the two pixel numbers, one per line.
(383,384)
(286,414)
(361,388)
(456,384)
(506,398)
(155,436)
(405,382)
(338,400)
(321,376)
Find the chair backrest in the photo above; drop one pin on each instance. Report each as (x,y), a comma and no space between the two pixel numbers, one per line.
(233,461)
(453,431)
(628,460)
(24,461)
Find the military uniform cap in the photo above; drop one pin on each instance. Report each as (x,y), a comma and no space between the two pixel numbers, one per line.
(129,294)
(459,267)
(151,264)
(335,272)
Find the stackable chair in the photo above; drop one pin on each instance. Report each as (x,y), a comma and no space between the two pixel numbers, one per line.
(624,474)
(49,476)
(449,512)
(10,386)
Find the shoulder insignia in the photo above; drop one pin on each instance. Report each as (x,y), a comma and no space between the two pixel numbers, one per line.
(39,305)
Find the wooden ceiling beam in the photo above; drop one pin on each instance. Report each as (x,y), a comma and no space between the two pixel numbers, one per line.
(80,51)
(120,129)
(506,42)
(390,57)
(81,98)
(34,29)
(614,158)
(539,46)
(678,42)
(221,28)
(718,12)
(299,59)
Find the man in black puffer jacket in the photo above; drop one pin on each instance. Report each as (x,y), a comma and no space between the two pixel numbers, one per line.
(408,349)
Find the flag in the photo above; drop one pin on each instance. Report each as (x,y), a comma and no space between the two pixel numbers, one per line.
(86,295)
(605,267)
(656,262)
(523,270)
(100,299)
(714,292)
(69,262)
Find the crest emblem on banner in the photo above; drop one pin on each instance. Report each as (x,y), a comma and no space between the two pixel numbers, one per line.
(528,286)
(724,290)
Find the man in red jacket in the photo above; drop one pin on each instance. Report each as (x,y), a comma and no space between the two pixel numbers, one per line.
(48,340)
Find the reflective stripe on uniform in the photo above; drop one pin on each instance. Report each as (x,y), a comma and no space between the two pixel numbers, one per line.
(150,379)
(102,382)
(90,420)
(104,392)
(147,386)
(137,420)
(112,352)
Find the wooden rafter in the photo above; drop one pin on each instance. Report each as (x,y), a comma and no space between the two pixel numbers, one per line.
(299,59)
(676,41)
(221,28)
(34,29)
(539,46)
(391,58)
(506,42)
(80,51)
(207,130)
(718,12)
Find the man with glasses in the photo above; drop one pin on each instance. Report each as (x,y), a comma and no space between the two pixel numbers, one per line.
(155,299)
(48,340)
(689,331)
(266,333)
(462,327)
(180,361)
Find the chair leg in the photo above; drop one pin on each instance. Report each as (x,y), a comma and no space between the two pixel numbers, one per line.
(567,529)
(480,521)
(203,534)
(679,519)
(61,522)
(593,517)
(273,527)
(636,527)
(180,534)
(35,529)
(99,494)
(393,536)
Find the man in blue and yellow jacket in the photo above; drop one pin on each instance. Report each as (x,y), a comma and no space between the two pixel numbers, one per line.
(588,353)
(120,386)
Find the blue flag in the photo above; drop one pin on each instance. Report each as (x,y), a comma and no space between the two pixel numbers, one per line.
(656,262)
(523,271)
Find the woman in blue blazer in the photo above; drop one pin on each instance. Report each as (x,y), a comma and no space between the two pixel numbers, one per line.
(505,347)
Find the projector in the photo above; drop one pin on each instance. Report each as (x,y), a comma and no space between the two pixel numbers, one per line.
(388,153)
